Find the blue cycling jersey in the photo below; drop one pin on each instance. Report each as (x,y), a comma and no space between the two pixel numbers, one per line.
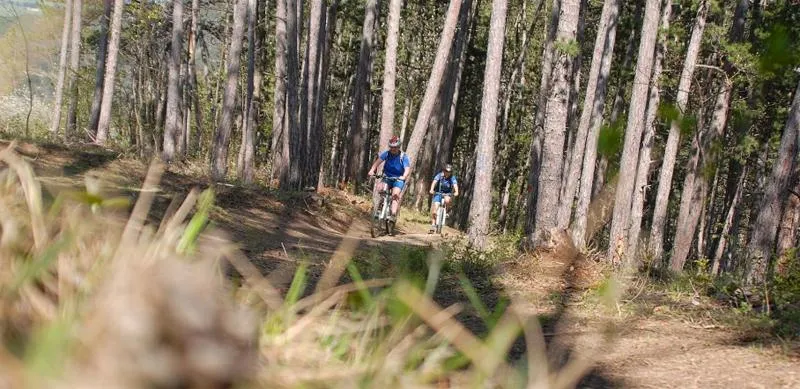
(445,185)
(394,165)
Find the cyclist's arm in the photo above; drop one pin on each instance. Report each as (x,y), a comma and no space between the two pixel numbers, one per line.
(433,185)
(374,167)
(406,172)
(455,189)
(406,167)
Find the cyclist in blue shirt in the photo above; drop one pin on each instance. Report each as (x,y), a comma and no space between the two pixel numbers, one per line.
(396,168)
(445,183)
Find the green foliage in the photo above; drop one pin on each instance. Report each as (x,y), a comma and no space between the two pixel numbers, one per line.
(609,141)
(780,52)
(786,294)
(50,345)
(197,223)
(688,125)
(668,112)
(567,47)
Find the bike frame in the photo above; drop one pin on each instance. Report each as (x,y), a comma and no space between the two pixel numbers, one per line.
(441,212)
(385,207)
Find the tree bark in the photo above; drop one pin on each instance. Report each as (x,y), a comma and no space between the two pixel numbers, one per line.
(583,163)
(390,72)
(618,105)
(673,139)
(296,136)
(762,240)
(481,206)
(322,94)
(574,145)
(74,69)
(696,179)
(315,42)
(62,69)
(435,81)
(222,135)
(643,169)
(194,144)
(280,145)
(102,48)
(787,232)
(695,184)
(359,121)
(555,126)
(111,68)
(535,155)
(453,90)
(618,246)
(247,149)
(174,120)
(730,216)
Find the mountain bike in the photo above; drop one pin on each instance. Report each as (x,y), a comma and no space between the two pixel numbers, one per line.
(441,212)
(381,211)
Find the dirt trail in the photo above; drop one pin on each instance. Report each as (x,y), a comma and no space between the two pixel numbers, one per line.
(275,230)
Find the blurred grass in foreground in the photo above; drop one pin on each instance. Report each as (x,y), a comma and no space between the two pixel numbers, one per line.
(92,296)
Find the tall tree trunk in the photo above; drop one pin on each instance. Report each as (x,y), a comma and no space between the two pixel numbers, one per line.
(174,122)
(535,155)
(280,145)
(74,69)
(730,217)
(573,145)
(787,232)
(591,118)
(695,179)
(762,240)
(245,168)
(295,135)
(322,94)
(643,169)
(695,184)
(404,121)
(673,140)
(111,69)
(481,206)
(390,72)
(620,221)
(359,121)
(435,80)
(436,150)
(555,126)
(310,91)
(102,48)
(62,69)
(453,90)
(618,105)
(222,135)
(193,144)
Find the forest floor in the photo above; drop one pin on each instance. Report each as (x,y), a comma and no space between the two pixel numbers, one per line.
(665,338)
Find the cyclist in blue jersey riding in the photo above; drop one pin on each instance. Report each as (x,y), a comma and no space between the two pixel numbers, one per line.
(396,169)
(443,186)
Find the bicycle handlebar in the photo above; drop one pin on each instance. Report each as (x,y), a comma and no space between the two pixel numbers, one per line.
(379,176)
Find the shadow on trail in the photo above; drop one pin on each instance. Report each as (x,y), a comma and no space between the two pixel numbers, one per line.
(559,340)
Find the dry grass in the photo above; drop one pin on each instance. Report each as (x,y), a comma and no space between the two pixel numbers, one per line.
(94,296)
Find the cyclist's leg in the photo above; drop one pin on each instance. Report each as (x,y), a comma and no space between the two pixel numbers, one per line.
(446,201)
(435,207)
(397,189)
